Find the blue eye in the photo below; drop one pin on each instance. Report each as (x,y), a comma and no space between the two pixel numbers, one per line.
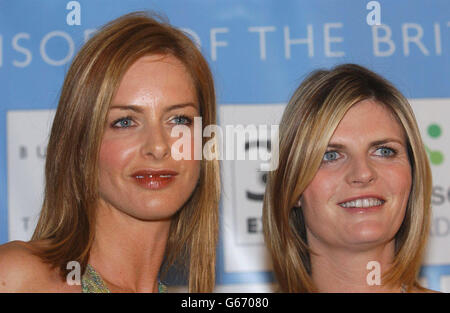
(182,120)
(330,156)
(385,152)
(123,122)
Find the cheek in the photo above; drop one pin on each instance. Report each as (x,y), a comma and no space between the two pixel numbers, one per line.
(321,190)
(318,195)
(397,175)
(191,168)
(115,154)
(399,181)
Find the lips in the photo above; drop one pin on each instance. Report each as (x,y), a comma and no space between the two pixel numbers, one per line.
(154,179)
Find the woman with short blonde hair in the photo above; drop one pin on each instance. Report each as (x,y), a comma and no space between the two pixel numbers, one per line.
(311,119)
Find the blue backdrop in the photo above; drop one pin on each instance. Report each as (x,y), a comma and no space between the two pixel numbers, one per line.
(259,51)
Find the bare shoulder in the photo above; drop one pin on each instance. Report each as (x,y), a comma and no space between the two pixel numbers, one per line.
(20,269)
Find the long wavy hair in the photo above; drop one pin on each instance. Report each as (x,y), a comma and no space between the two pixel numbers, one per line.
(308,123)
(67,217)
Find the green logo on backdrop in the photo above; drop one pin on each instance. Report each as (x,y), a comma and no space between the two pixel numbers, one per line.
(436,156)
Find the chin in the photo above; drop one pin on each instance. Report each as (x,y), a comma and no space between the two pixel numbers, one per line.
(154,214)
(368,234)
(153,210)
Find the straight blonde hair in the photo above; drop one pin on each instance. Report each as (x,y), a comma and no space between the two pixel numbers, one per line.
(67,218)
(309,121)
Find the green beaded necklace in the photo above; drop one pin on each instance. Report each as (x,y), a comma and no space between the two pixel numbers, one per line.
(91,282)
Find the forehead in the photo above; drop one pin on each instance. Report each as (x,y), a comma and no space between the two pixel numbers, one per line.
(369,119)
(156,77)
(155,62)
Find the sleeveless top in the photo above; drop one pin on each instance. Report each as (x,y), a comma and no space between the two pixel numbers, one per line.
(91,282)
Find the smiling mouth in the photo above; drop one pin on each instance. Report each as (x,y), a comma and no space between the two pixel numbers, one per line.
(362,203)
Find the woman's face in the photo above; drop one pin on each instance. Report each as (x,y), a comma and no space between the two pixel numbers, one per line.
(358,196)
(137,174)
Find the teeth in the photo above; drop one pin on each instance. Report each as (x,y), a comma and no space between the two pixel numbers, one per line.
(362,203)
(151,176)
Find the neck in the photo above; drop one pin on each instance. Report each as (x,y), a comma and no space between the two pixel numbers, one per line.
(343,270)
(128,252)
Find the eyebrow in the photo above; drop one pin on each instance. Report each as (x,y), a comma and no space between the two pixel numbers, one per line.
(372,144)
(139,109)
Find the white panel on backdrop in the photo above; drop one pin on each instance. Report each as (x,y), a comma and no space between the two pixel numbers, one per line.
(433,116)
(445,283)
(243,186)
(27,135)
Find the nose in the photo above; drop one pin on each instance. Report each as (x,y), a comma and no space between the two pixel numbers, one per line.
(155,143)
(361,172)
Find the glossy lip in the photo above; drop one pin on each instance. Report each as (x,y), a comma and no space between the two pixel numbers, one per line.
(151,178)
(363,210)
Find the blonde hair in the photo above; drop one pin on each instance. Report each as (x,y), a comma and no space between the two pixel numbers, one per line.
(308,123)
(71,172)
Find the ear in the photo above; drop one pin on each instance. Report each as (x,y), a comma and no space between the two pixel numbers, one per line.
(299,202)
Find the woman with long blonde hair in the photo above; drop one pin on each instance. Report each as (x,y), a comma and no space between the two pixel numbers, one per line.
(116,202)
(348,208)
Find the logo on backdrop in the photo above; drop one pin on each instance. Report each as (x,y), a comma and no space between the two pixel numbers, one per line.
(441,224)
(434,131)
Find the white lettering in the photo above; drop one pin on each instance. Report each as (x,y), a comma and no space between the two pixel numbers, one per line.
(212,149)
(308,40)
(414,39)
(241,133)
(376,40)
(215,43)
(274,150)
(262,38)
(74,276)
(437,39)
(74,16)
(15,44)
(374,17)
(198,139)
(374,276)
(328,39)
(181,149)
(49,36)
(194,303)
